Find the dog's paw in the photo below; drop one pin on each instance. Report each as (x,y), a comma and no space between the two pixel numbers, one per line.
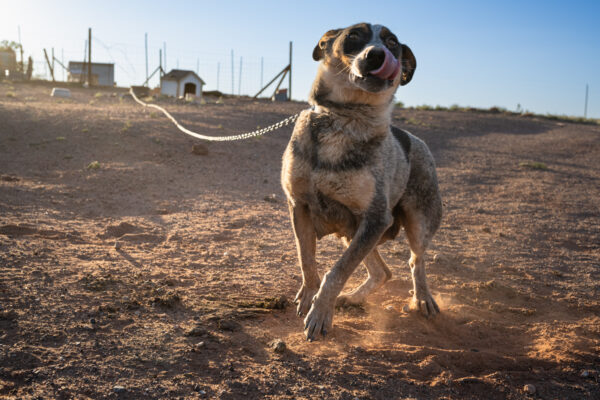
(319,320)
(425,303)
(304,299)
(349,300)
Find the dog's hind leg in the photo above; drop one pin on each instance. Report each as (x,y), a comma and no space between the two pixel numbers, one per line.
(379,273)
(306,243)
(419,232)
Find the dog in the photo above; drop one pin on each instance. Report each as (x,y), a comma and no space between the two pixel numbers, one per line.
(347,171)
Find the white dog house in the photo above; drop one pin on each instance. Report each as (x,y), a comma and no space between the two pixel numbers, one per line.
(179,82)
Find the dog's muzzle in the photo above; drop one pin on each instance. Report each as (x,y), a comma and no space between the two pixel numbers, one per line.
(389,68)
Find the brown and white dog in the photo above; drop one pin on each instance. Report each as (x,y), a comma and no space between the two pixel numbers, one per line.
(347,171)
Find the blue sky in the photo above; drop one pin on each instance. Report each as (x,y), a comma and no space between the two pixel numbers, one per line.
(539,54)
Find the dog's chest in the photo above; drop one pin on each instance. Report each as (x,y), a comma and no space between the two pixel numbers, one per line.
(337,163)
(353,189)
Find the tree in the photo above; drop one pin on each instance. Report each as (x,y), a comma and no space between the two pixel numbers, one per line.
(13,47)
(10,45)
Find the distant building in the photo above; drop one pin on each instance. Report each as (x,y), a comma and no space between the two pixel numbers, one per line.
(280,95)
(103,74)
(8,62)
(179,82)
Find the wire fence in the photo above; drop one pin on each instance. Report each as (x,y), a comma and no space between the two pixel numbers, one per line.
(241,74)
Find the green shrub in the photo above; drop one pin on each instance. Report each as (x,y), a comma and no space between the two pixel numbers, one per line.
(533,165)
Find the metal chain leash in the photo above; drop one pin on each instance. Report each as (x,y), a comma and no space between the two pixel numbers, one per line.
(241,136)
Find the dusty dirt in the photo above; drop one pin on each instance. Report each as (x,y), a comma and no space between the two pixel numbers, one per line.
(131,267)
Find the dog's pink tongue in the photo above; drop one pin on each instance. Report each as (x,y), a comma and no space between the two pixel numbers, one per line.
(390,67)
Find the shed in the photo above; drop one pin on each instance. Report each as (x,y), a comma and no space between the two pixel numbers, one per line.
(179,82)
(103,74)
(8,61)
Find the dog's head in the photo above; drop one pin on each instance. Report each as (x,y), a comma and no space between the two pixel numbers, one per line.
(368,57)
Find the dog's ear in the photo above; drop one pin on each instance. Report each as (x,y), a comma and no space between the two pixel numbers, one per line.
(409,64)
(327,38)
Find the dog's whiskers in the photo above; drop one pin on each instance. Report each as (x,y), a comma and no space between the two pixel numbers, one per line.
(346,69)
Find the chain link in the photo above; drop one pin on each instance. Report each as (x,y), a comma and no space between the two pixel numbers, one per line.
(241,136)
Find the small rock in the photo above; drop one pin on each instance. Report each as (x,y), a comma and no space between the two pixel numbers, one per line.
(168,300)
(586,374)
(198,388)
(278,346)
(92,321)
(118,389)
(439,258)
(200,149)
(9,178)
(389,308)
(137,313)
(228,325)
(174,237)
(60,92)
(273,303)
(197,331)
(199,346)
(406,308)
(272,198)
(529,388)
(118,245)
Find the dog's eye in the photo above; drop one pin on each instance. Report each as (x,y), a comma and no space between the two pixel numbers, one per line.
(391,42)
(353,35)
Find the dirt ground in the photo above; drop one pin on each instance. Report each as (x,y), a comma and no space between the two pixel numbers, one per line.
(131,267)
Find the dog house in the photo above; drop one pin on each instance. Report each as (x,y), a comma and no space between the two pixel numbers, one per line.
(181,82)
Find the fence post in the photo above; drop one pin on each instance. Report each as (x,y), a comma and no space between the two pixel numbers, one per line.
(89,57)
(290,77)
(586,101)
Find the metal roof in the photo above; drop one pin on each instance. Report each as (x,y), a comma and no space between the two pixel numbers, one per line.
(78,63)
(179,74)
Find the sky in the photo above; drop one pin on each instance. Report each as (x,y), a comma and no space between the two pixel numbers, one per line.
(530,55)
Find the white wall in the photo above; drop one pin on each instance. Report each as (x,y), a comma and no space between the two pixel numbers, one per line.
(105,74)
(168,88)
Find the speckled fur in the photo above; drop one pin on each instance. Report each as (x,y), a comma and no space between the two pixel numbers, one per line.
(348,172)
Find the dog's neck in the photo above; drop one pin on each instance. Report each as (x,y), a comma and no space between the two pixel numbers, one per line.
(331,94)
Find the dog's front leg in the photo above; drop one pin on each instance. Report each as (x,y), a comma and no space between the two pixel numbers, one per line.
(373,224)
(306,243)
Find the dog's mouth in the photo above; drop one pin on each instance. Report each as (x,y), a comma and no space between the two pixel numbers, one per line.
(372,78)
(375,71)
(371,83)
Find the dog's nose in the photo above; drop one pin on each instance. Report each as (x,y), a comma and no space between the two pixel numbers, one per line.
(375,58)
(385,65)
